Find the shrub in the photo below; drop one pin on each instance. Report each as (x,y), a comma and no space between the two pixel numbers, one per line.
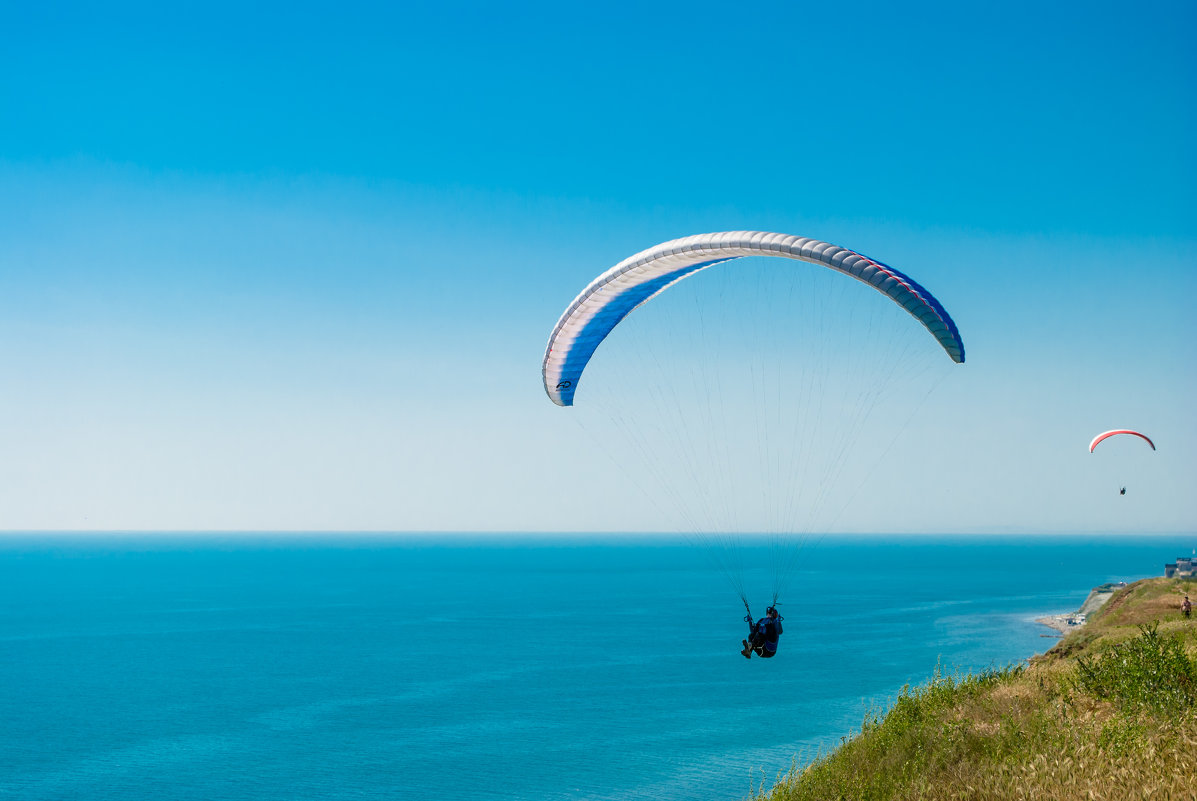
(1148,673)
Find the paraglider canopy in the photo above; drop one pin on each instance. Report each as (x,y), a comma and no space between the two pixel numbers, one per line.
(602,305)
(1107,434)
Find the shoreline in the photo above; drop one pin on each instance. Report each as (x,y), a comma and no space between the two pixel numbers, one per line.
(1059,623)
(1064,623)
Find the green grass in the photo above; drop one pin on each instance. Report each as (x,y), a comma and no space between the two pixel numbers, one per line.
(1111,712)
(1151,672)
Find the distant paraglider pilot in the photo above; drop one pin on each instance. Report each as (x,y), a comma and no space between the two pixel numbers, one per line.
(1122,491)
(763,635)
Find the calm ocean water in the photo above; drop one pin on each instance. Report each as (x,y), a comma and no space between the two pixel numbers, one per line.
(371,668)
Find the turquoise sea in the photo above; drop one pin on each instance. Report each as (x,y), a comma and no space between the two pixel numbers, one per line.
(371,667)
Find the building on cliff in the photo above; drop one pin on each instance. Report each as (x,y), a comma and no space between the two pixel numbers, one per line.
(1183,567)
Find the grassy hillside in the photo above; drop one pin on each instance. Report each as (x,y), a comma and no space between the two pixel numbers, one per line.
(1109,713)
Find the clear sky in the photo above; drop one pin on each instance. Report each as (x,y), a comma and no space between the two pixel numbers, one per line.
(293,266)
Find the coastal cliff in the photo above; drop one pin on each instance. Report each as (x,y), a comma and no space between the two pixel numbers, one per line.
(1096,600)
(1109,712)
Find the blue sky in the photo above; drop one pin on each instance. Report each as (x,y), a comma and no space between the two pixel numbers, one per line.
(293,267)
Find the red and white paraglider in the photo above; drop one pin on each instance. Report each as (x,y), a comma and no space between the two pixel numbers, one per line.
(1117,432)
(1107,434)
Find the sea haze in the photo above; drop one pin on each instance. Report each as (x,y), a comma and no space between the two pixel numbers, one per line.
(296,667)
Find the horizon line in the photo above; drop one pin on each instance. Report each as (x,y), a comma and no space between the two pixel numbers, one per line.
(455,533)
